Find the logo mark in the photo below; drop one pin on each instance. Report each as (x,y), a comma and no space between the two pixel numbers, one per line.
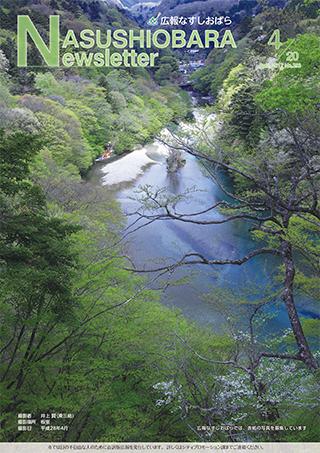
(154,20)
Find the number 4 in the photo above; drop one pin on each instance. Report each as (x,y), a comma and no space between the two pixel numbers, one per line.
(275,39)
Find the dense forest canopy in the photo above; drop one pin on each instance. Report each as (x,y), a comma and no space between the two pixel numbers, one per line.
(83,333)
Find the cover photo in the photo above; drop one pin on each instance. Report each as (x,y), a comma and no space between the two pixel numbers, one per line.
(159,224)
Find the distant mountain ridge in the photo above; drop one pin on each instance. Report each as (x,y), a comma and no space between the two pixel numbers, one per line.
(181,7)
(131,4)
(142,10)
(176,6)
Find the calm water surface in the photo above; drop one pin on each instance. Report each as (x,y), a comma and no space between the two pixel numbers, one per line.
(206,294)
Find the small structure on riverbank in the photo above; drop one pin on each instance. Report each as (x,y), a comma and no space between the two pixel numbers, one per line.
(107,153)
(175,161)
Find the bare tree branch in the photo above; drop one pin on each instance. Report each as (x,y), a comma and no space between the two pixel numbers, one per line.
(200,259)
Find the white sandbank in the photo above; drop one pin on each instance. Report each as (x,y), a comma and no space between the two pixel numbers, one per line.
(130,166)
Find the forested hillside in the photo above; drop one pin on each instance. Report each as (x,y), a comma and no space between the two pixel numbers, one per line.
(253,34)
(81,333)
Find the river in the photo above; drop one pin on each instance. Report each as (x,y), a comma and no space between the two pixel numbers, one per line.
(207,295)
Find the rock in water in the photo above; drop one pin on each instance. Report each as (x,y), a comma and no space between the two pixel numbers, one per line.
(175,161)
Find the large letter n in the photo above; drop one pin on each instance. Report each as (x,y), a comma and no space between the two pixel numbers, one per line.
(49,54)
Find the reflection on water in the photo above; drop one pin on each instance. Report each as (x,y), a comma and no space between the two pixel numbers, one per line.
(200,297)
(132,165)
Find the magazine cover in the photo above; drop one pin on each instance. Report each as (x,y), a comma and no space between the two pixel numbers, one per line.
(159,225)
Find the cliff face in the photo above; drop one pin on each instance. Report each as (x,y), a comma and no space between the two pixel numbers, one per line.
(125,4)
(185,7)
(142,9)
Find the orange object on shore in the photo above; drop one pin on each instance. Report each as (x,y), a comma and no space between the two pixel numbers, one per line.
(107,154)
(107,150)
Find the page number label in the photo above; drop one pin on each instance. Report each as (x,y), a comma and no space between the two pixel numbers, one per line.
(275,39)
